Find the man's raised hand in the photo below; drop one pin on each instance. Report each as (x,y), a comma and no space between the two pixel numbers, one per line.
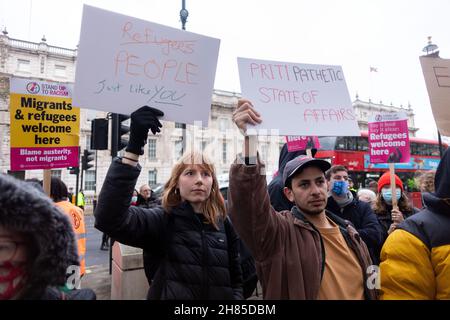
(245,114)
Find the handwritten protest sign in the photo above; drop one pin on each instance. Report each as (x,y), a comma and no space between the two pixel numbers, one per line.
(436,72)
(44,125)
(125,63)
(389,138)
(296,143)
(298,99)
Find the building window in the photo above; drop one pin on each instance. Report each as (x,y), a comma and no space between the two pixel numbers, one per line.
(152,149)
(201,145)
(178,125)
(23,65)
(224,151)
(178,149)
(223,124)
(89,180)
(152,175)
(60,71)
(56,173)
(42,64)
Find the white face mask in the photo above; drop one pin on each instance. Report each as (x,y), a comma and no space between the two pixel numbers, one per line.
(133,198)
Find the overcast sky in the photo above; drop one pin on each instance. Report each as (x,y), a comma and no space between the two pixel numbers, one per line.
(356,34)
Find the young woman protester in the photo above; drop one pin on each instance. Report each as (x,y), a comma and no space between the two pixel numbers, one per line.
(388,217)
(196,246)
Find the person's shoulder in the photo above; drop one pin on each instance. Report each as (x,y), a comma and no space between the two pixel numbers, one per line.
(53,293)
(332,205)
(362,205)
(70,207)
(81,294)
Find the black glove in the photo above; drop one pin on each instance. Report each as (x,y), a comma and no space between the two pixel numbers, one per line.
(142,120)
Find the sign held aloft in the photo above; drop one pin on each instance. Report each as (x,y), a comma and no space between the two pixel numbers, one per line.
(124,63)
(45,127)
(389,138)
(436,72)
(299,99)
(296,143)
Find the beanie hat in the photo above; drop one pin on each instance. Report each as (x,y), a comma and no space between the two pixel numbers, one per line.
(385,180)
(25,209)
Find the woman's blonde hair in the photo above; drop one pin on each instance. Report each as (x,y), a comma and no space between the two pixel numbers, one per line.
(426,181)
(214,207)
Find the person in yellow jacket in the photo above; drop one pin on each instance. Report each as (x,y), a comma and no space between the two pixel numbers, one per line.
(58,192)
(80,200)
(415,259)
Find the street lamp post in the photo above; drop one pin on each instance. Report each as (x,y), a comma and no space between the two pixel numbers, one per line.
(183,16)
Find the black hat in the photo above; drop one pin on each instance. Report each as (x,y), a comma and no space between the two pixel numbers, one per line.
(302,162)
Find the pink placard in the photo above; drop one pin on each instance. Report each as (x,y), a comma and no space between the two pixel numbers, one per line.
(389,141)
(295,143)
(43,158)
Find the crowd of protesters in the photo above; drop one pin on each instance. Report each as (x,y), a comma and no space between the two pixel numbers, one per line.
(309,234)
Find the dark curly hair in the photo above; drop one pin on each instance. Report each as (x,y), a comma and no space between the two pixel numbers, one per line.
(58,190)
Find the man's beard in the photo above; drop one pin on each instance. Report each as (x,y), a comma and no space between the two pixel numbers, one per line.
(312,212)
(315,212)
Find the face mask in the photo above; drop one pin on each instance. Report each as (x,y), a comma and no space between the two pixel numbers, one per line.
(339,188)
(134,199)
(387,195)
(9,286)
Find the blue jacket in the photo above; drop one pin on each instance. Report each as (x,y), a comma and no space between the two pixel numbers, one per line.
(361,215)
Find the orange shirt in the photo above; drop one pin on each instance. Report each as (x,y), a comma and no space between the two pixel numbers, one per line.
(343,276)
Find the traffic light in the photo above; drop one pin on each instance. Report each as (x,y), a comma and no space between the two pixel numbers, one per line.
(99,134)
(87,157)
(123,129)
(74,170)
(118,130)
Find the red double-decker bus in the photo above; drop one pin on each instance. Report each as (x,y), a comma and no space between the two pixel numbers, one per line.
(353,152)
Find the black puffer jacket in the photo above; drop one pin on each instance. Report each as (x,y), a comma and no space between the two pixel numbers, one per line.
(25,209)
(199,261)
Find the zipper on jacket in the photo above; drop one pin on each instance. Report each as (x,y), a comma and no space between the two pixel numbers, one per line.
(205,286)
(322,246)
